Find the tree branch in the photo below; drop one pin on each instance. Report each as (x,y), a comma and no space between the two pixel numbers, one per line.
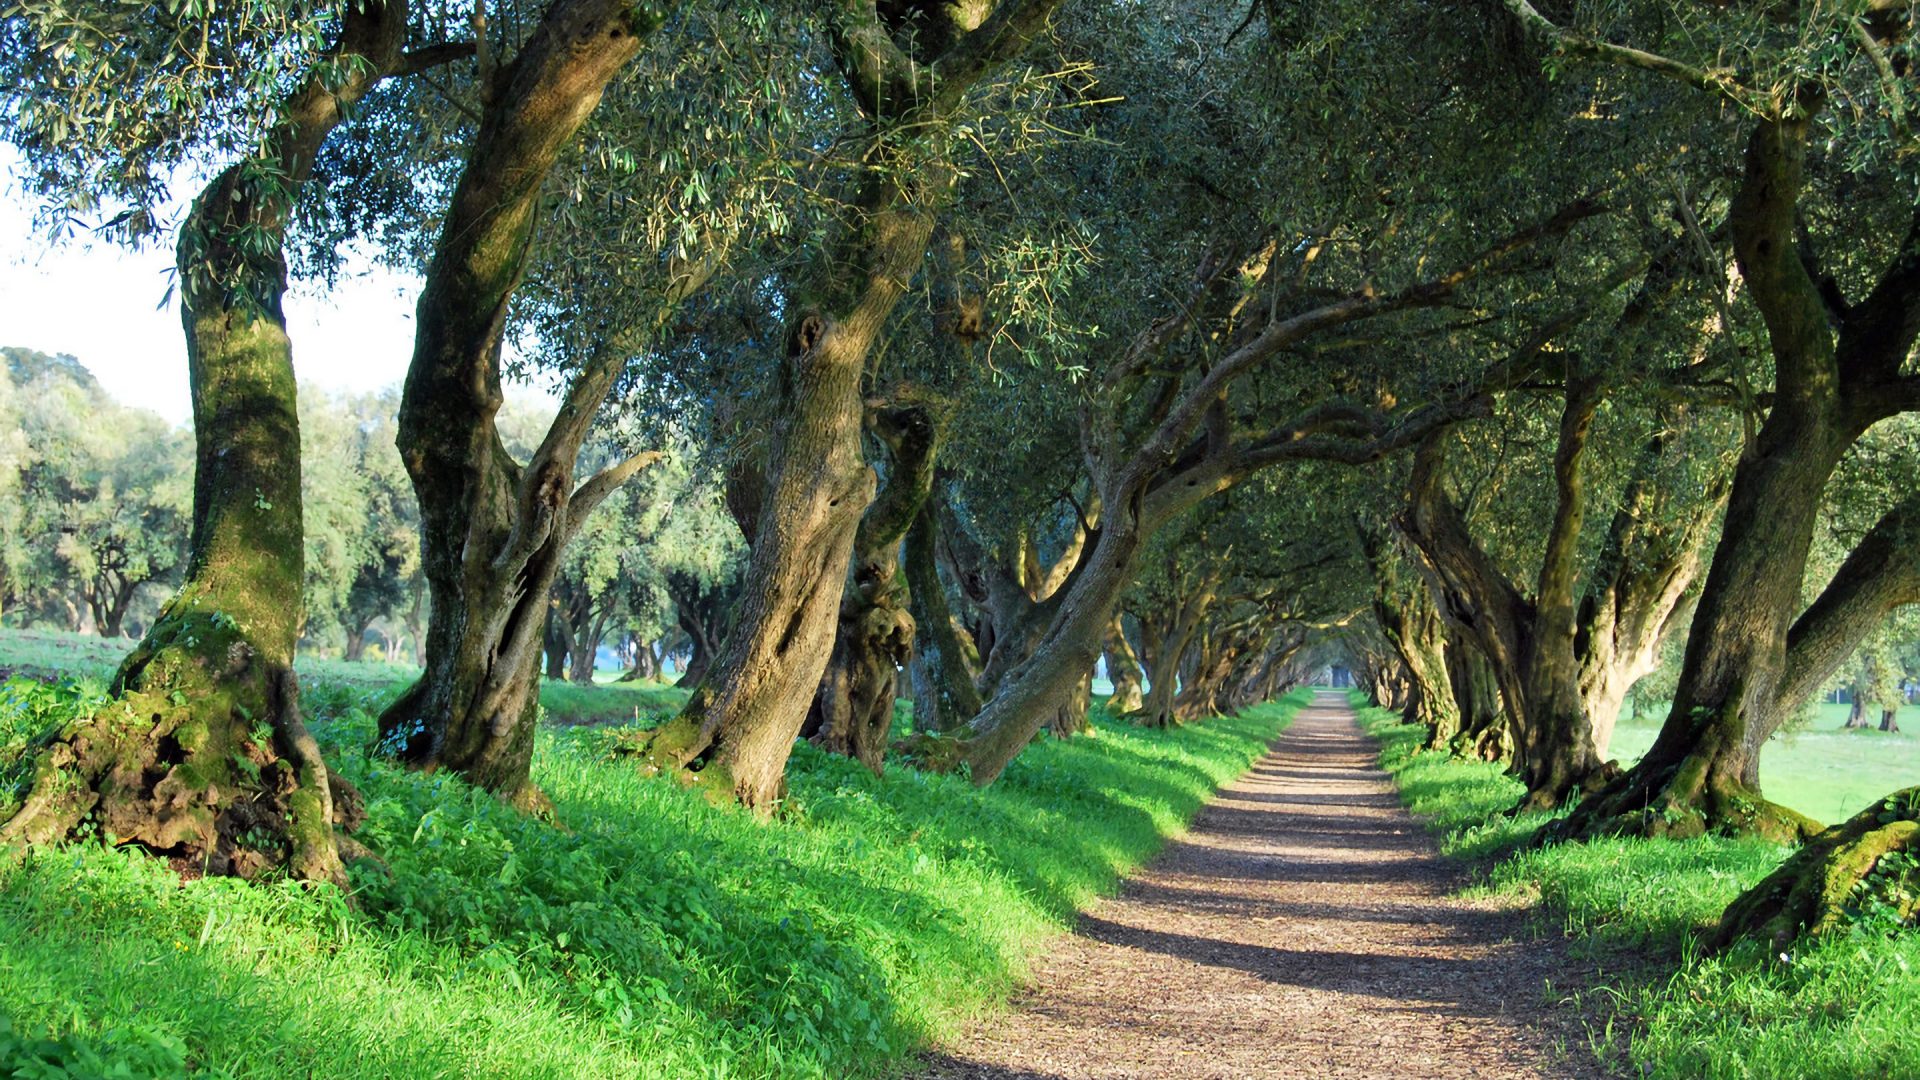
(604,483)
(1714,80)
(429,57)
(1882,573)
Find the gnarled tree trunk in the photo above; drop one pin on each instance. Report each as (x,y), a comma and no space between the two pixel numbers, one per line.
(853,712)
(1752,651)
(1123,670)
(204,757)
(945,662)
(493,532)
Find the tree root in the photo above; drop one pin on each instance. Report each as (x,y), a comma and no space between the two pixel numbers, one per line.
(204,761)
(1678,802)
(1863,865)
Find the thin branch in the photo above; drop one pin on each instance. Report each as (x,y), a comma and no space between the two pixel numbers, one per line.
(430,57)
(604,483)
(1714,80)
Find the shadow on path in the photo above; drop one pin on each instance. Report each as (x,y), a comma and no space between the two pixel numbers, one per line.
(1305,927)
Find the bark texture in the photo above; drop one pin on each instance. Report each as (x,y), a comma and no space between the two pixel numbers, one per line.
(202,756)
(853,712)
(945,660)
(494,531)
(1123,670)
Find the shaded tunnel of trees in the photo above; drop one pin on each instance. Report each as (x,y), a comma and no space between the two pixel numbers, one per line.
(914,365)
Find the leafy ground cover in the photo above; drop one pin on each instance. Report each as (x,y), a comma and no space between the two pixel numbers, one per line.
(651,934)
(1845,1007)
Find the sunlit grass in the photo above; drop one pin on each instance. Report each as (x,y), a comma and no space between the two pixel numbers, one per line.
(651,935)
(1844,1008)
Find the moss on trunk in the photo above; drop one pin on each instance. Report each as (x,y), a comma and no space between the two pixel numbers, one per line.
(1864,866)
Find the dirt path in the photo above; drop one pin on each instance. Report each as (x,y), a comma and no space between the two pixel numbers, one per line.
(1302,929)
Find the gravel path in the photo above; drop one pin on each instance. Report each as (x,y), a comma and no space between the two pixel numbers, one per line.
(1303,928)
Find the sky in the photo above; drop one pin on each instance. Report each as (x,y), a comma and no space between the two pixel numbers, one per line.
(101,303)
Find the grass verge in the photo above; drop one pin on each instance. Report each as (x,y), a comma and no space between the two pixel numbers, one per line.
(654,935)
(1843,1008)
(55,654)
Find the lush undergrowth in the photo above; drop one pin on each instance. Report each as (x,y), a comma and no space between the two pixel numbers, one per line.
(1846,1007)
(652,935)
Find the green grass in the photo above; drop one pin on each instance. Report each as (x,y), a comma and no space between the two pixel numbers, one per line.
(653,935)
(1821,770)
(49,654)
(1843,1008)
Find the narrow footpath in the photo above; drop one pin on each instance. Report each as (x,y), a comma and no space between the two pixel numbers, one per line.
(1303,928)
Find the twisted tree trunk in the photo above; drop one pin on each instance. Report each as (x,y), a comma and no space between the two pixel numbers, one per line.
(209,762)
(1753,652)
(945,662)
(1123,670)
(493,533)
(853,712)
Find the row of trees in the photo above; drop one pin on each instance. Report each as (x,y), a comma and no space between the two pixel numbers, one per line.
(1009,326)
(95,500)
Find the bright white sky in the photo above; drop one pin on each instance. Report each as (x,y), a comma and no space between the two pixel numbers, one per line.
(98,302)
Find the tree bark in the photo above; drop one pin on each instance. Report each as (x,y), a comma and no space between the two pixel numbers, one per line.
(1740,667)
(945,662)
(557,647)
(214,766)
(1484,732)
(1123,670)
(875,635)
(493,532)
(1403,607)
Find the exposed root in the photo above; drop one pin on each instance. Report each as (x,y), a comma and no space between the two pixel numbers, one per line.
(1862,864)
(1679,802)
(201,758)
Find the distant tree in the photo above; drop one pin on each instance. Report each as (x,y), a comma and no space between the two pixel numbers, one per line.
(108,486)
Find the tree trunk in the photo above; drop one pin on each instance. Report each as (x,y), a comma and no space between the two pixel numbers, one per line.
(356,646)
(875,635)
(1066,654)
(1888,722)
(1857,711)
(1123,669)
(1702,772)
(1529,645)
(1202,697)
(1170,652)
(1404,609)
(556,647)
(1484,735)
(214,767)
(493,533)
(585,652)
(735,734)
(944,662)
(1072,718)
